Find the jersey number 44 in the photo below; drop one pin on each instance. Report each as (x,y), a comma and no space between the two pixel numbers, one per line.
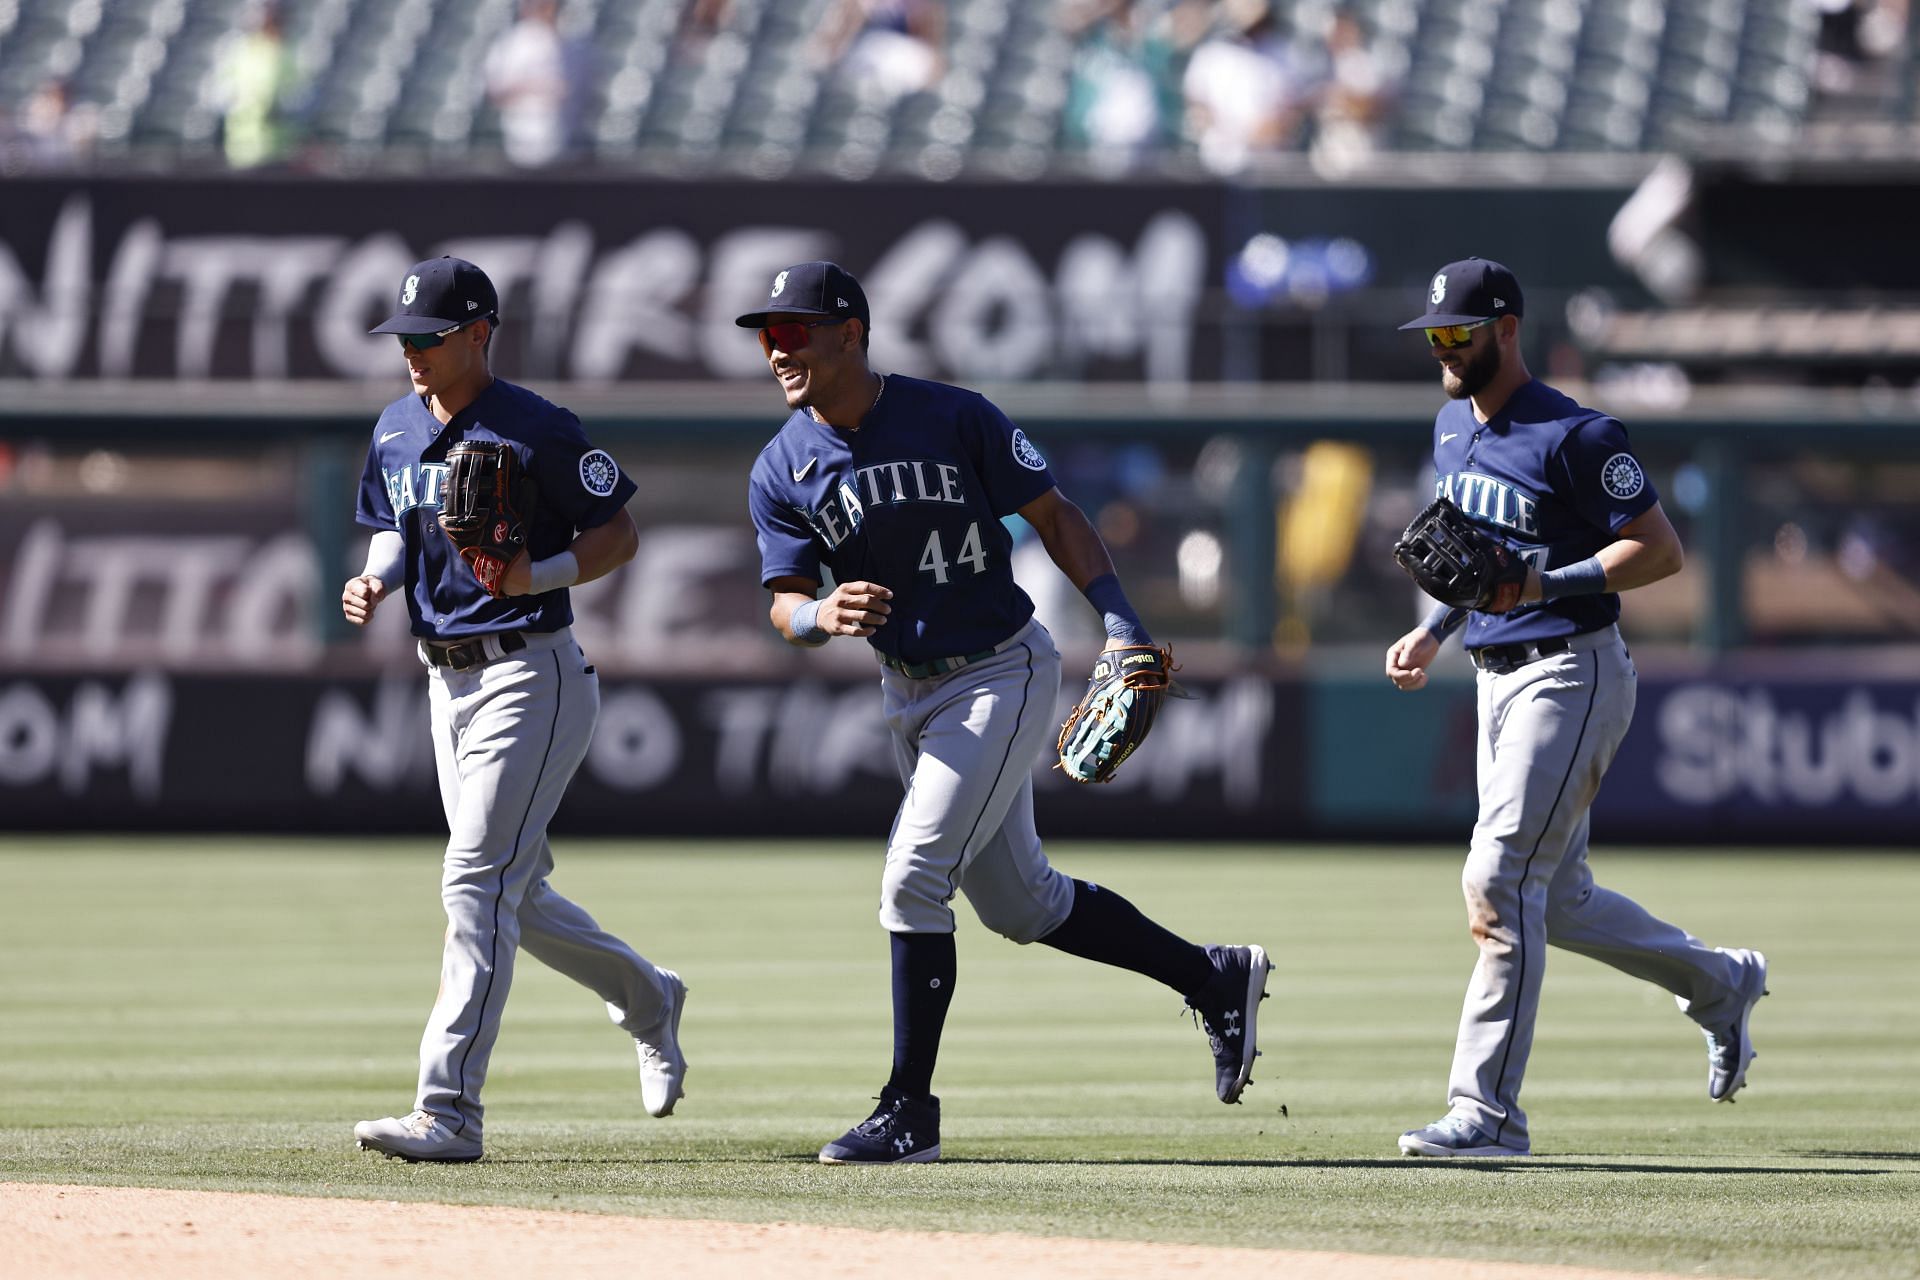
(933,558)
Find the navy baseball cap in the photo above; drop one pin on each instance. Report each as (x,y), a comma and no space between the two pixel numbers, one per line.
(1468,291)
(812,289)
(442,293)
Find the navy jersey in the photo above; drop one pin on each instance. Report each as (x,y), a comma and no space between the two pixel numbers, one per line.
(913,501)
(1553,480)
(579,487)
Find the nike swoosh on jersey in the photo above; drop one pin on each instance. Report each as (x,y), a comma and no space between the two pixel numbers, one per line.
(800,473)
(390,435)
(1448,436)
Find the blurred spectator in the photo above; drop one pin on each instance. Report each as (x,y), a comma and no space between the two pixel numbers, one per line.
(537,80)
(52,132)
(1116,108)
(1855,62)
(1353,99)
(259,76)
(1243,88)
(888,48)
(700,22)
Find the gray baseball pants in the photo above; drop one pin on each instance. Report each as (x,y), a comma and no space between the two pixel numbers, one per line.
(965,743)
(507,738)
(1548,731)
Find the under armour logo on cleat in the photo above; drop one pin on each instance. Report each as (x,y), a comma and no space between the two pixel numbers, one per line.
(1233,1023)
(903,1144)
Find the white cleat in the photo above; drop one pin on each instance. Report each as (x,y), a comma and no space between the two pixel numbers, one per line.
(1730,1049)
(418,1136)
(663,1068)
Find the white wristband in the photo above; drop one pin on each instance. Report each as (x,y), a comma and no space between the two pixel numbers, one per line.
(386,557)
(552,573)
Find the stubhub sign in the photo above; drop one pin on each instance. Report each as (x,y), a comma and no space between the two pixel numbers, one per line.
(1805,758)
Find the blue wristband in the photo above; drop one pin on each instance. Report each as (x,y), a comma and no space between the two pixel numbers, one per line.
(1444,621)
(805,625)
(1122,623)
(1582,578)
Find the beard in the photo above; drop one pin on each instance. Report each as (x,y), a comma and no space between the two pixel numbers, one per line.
(1474,375)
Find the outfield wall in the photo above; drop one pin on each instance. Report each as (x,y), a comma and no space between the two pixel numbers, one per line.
(1253,757)
(263,278)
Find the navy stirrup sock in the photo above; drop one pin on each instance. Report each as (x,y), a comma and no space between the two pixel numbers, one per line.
(1104,926)
(923,972)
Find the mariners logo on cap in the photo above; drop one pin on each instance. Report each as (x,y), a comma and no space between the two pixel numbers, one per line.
(1025,454)
(1439,293)
(412,291)
(779,283)
(1622,476)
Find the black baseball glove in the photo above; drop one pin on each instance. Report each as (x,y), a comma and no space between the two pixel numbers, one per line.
(1459,564)
(1113,716)
(486,508)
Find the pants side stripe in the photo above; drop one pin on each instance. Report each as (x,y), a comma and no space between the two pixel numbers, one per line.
(500,893)
(1026,693)
(1520,983)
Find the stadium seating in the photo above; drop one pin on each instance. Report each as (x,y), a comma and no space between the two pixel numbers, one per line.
(739,85)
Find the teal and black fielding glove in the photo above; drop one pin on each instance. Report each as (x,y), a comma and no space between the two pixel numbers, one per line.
(1116,712)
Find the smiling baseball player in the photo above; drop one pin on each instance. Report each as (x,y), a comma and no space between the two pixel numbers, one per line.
(487,503)
(898,487)
(1546,501)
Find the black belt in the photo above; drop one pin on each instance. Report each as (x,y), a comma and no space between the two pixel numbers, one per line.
(1502,658)
(927,670)
(471,653)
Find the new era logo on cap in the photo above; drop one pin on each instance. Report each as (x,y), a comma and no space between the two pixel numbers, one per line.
(1469,290)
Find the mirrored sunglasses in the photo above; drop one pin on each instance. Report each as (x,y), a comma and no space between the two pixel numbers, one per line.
(791,335)
(1456,335)
(428,341)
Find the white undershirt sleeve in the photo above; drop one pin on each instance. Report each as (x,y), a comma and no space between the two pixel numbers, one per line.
(387,558)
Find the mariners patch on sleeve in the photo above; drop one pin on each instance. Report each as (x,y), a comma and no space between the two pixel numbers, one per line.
(1622,477)
(1025,454)
(599,472)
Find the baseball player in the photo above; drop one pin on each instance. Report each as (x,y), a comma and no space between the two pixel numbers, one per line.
(1559,485)
(898,487)
(512,698)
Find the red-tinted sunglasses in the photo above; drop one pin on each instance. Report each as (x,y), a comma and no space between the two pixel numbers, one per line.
(791,335)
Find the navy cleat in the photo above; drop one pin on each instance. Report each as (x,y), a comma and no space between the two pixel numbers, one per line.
(1456,1136)
(1227,1007)
(901,1130)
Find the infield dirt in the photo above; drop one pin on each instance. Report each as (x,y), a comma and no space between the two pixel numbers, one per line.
(79,1232)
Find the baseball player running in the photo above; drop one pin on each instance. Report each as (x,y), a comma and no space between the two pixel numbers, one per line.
(1560,486)
(898,487)
(512,698)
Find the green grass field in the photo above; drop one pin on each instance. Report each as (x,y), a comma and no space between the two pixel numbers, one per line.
(215,1014)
